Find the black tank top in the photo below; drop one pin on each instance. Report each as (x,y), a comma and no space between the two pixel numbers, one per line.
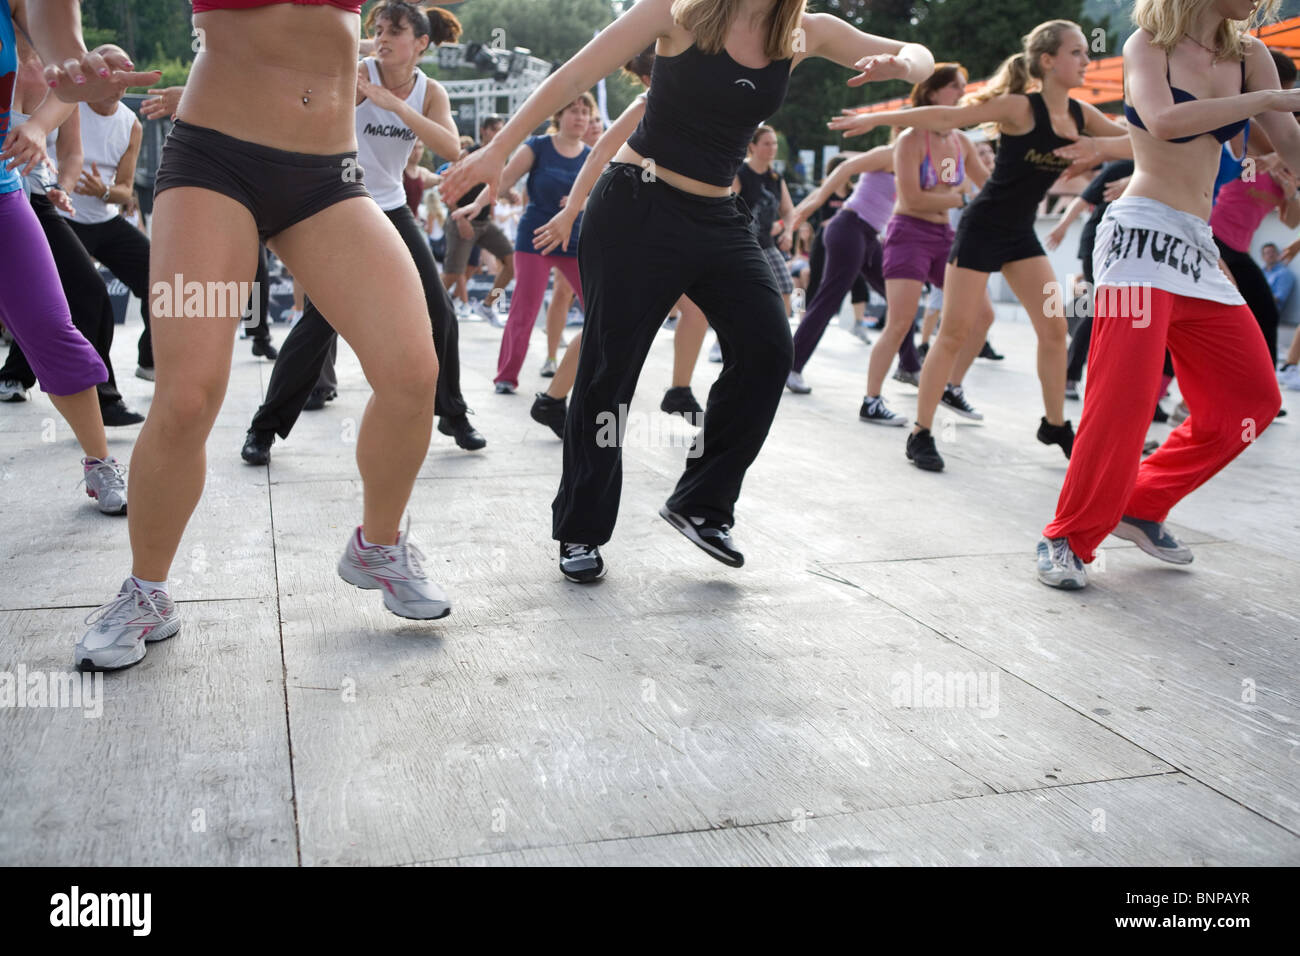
(1024,170)
(702,110)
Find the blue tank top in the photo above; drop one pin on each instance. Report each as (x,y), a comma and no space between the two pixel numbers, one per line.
(549,181)
(1230,166)
(10,181)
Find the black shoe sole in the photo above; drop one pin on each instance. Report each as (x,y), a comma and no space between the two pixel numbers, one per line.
(687,531)
(467,443)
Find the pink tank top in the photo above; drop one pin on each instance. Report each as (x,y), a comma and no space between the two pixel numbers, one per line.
(1241,207)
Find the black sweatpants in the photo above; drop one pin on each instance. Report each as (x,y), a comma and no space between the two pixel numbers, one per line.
(124,249)
(92,310)
(644,244)
(1254,288)
(308,343)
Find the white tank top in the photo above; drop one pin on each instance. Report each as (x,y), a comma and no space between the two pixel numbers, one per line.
(44,176)
(104,140)
(384,142)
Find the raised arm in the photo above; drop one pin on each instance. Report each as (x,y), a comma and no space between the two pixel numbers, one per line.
(641,25)
(74,74)
(1011,109)
(878,58)
(880,159)
(1279,125)
(1149,93)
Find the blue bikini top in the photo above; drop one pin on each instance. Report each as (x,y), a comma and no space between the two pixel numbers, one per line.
(1222,134)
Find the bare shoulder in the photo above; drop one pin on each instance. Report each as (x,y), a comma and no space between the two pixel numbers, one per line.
(1138,48)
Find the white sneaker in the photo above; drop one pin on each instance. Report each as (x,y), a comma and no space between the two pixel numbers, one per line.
(396,570)
(121,628)
(105,481)
(1289,377)
(1059,567)
(548,368)
(795,383)
(12,391)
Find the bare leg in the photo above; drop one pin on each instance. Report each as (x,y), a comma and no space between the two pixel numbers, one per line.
(928,322)
(567,371)
(397,353)
(81,412)
(959,285)
(1293,353)
(688,339)
(557,313)
(979,332)
(902,296)
(193,366)
(1034,283)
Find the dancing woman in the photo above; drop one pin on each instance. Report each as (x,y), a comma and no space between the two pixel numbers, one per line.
(662,222)
(996,232)
(397,104)
(1193,77)
(264,147)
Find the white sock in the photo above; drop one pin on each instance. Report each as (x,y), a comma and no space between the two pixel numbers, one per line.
(367,543)
(150,586)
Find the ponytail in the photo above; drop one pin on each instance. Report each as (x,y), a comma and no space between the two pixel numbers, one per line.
(1011,77)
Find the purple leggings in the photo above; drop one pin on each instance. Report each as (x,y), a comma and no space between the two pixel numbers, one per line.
(34,309)
(852,249)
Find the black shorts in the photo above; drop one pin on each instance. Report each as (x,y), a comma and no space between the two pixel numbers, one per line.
(278,187)
(986,245)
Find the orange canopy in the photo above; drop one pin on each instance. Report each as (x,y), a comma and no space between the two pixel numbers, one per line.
(1104,81)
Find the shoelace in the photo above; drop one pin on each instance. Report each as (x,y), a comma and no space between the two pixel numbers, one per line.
(577,550)
(120,608)
(111,474)
(407,551)
(1061,553)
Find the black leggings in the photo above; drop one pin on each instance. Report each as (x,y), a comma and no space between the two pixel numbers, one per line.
(92,310)
(124,249)
(1255,290)
(643,245)
(306,348)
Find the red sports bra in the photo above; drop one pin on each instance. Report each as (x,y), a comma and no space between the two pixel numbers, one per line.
(352,6)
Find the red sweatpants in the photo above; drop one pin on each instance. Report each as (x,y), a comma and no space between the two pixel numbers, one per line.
(1226,378)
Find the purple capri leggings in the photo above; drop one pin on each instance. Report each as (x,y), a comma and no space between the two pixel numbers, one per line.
(33,307)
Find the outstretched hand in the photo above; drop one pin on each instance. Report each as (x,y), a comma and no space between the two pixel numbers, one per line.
(881,66)
(853,123)
(92,77)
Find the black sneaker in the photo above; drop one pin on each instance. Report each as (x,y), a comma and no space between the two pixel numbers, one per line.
(954,397)
(1161,416)
(257,447)
(459,428)
(922,453)
(581,563)
(987,352)
(264,347)
(550,412)
(923,350)
(712,537)
(118,414)
(680,400)
(1062,435)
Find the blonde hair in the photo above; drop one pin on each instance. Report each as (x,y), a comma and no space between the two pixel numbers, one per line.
(1017,73)
(1169,20)
(708,20)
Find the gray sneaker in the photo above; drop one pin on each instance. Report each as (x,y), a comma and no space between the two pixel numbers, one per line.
(1059,567)
(106,482)
(396,570)
(121,628)
(1153,538)
(907,378)
(795,383)
(12,390)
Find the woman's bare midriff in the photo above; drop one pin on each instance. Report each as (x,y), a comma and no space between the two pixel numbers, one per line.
(1180,175)
(627,154)
(255,67)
